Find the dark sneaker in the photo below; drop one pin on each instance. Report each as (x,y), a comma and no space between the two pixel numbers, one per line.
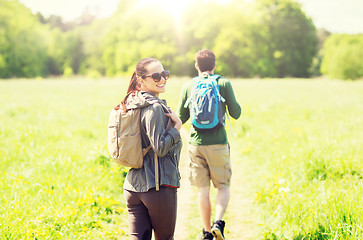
(207,235)
(218,229)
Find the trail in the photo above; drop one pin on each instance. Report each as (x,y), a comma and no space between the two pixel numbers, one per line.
(242,223)
(186,196)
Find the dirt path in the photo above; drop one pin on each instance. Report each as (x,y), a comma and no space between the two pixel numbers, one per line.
(242,223)
(186,195)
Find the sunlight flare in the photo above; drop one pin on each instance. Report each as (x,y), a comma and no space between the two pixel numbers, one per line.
(175,7)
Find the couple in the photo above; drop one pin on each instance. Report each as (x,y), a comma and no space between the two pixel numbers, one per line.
(149,209)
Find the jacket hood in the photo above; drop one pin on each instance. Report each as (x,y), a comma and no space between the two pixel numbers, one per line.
(142,99)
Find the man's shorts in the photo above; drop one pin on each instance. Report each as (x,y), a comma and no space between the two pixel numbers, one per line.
(210,162)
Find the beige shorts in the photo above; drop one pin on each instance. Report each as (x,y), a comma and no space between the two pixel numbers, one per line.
(210,162)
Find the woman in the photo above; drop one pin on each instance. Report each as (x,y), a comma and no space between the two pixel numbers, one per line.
(148,208)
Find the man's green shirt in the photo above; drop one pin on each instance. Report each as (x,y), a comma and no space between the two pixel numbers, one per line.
(218,136)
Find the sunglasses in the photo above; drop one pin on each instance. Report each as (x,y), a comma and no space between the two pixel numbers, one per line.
(157,76)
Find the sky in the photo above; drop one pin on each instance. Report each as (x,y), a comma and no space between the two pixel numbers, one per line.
(337,16)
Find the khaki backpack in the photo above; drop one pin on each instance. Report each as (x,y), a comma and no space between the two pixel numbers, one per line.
(124,140)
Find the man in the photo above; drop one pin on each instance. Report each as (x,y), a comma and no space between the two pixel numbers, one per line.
(209,149)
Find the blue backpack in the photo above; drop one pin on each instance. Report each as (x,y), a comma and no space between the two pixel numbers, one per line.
(205,103)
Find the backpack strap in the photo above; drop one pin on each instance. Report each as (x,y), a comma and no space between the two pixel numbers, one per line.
(156,172)
(145,150)
(187,102)
(217,77)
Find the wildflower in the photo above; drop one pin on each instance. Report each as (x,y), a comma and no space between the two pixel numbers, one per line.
(281,181)
(284,190)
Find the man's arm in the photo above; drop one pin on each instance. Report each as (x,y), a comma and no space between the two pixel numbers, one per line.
(234,109)
(183,112)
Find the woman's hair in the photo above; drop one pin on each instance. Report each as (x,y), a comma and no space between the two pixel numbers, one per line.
(134,85)
(205,60)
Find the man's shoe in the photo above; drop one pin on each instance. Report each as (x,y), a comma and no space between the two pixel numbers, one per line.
(207,235)
(218,229)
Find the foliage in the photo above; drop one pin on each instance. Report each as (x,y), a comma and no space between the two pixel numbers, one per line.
(234,45)
(291,36)
(68,72)
(33,46)
(139,33)
(22,51)
(264,38)
(65,50)
(343,56)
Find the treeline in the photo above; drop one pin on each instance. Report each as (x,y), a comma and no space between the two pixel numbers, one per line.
(266,38)
(32,46)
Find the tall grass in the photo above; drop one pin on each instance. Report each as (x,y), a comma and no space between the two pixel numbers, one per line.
(57,181)
(302,140)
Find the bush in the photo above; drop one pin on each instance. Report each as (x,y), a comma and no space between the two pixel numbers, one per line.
(94,74)
(68,72)
(343,56)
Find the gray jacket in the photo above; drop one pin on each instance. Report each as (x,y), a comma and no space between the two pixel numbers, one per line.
(166,144)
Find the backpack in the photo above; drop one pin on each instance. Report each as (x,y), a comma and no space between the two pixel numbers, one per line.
(124,138)
(205,103)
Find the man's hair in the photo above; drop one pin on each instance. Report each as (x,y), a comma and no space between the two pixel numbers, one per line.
(205,59)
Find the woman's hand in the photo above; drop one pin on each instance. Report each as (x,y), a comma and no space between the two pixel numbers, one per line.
(174,117)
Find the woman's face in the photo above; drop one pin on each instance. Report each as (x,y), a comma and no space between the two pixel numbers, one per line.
(148,84)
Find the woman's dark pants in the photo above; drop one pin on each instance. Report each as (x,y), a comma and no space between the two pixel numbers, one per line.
(152,210)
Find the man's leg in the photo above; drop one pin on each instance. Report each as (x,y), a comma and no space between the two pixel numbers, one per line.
(200,177)
(222,200)
(220,169)
(204,207)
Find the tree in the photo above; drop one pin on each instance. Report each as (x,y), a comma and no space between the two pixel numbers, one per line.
(22,51)
(234,43)
(291,37)
(138,33)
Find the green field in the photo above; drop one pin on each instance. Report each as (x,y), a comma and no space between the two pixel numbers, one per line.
(297,157)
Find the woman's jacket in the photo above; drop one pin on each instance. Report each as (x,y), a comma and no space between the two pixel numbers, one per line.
(165,143)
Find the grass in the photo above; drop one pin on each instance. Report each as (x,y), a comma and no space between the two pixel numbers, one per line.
(298,142)
(58,181)
(303,140)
